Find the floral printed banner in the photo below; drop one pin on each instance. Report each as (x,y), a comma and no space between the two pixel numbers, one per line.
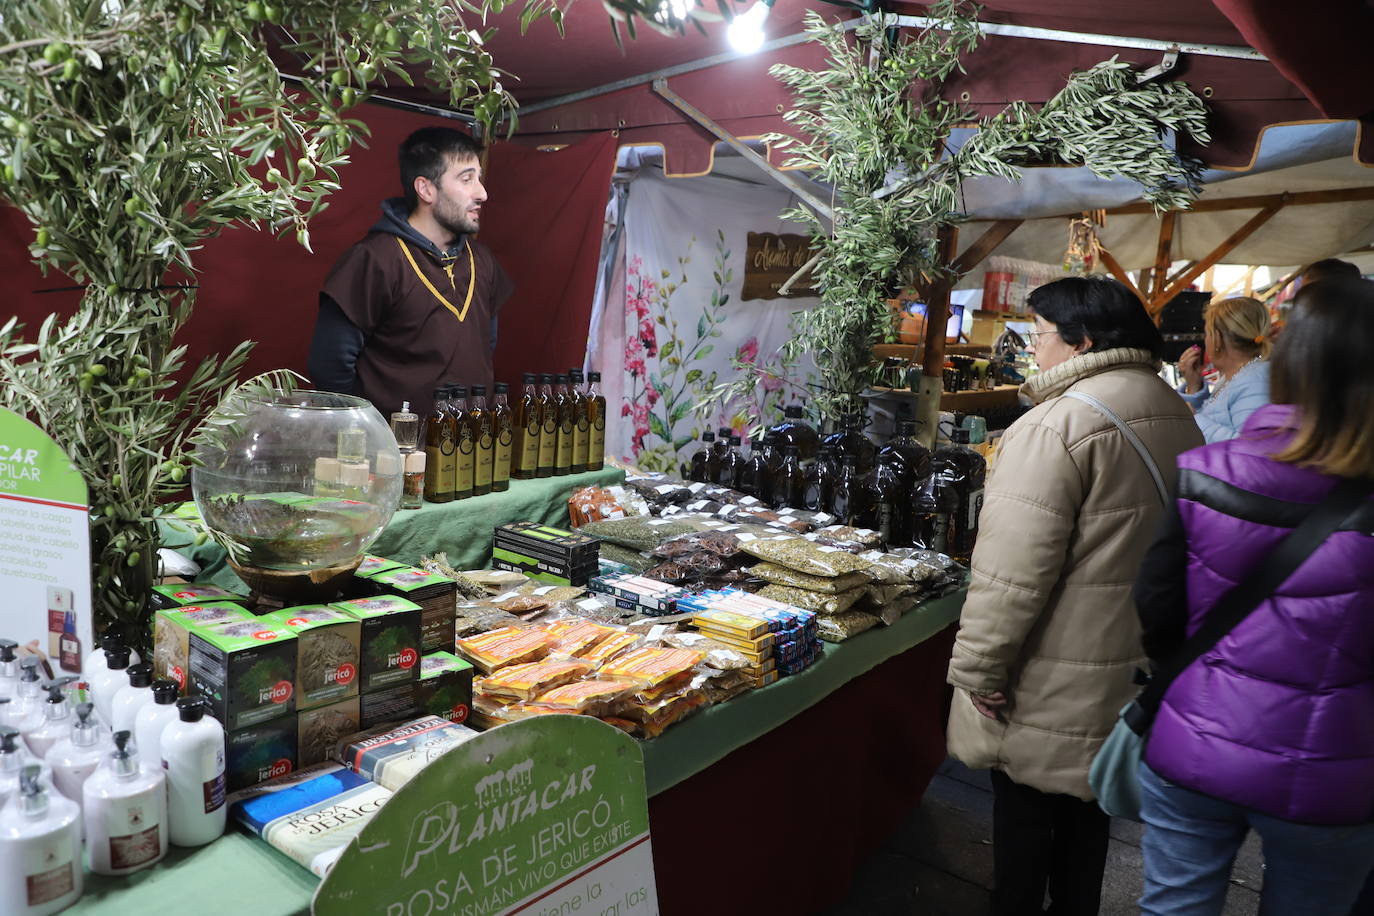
(685,325)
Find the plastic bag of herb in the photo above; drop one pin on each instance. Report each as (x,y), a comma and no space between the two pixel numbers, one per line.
(641,532)
(819,602)
(830,585)
(843,626)
(802,555)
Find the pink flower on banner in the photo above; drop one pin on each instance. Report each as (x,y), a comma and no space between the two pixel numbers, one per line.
(641,421)
(649,337)
(770,381)
(748,351)
(652,393)
(636,263)
(625,409)
(635,299)
(634,356)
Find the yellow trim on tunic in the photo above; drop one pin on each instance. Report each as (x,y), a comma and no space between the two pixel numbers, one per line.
(472,278)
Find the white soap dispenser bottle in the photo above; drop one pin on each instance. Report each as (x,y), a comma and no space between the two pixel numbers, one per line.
(26,713)
(57,719)
(14,756)
(193,757)
(40,849)
(125,809)
(132,697)
(153,717)
(74,758)
(9,668)
(105,682)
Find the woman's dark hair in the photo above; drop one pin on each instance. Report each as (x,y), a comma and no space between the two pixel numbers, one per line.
(428,152)
(1324,366)
(1099,309)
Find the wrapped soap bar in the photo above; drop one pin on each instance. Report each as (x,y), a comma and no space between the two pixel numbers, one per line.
(648,666)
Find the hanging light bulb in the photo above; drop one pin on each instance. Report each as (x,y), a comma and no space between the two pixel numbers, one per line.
(745,33)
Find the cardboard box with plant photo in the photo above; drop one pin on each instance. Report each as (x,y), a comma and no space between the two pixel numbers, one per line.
(445,687)
(328,643)
(390,647)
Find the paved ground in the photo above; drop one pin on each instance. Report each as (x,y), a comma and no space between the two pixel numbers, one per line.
(939,861)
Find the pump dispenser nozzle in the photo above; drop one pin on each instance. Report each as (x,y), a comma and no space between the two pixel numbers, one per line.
(124,757)
(28,671)
(33,800)
(7,647)
(10,756)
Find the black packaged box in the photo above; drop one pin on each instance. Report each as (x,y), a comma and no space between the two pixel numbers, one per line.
(246,669)
(390,649)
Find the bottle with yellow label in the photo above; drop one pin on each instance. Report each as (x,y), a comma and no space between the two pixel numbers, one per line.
(562,459)
(548,429)
(528,426)
(440,451)
(596,418)
(466,440)
(479,417)
(503,429)
(582,432)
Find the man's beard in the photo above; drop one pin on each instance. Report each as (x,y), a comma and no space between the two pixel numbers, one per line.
(456,221)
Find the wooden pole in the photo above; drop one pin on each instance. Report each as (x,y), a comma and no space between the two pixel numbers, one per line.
(937,309)
(985,245)
(1114,268)
(1163,253)
(1160,299)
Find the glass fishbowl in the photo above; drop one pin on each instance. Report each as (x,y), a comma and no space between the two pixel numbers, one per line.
(303,482)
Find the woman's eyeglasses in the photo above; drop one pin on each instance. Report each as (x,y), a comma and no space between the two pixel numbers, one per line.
(1033,337)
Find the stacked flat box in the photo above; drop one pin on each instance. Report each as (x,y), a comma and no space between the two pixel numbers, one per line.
(545,553)
(759,628)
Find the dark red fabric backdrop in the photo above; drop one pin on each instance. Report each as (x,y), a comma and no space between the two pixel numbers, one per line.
(543,221)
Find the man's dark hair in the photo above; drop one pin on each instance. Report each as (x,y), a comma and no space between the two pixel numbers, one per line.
(430,150)
(1330,269)
(1097,308)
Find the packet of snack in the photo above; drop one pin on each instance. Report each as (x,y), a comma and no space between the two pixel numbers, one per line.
(590,696)
(524,682)
(506,646)
(610,647)
(649,666)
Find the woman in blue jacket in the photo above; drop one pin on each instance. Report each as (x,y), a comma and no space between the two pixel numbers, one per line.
(1237,339)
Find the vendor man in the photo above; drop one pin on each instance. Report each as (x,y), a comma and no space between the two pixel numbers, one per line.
(413,305)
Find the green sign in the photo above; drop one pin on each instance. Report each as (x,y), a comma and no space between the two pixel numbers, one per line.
(541,817)
(45,546)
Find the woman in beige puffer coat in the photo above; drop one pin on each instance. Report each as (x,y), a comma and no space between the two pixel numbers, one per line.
(1048,637)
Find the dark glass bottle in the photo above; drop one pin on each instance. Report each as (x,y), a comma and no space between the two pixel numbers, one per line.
(819,484)
(787,482)
(754,477)
(734,465)
(441,463)
(906,449)
(932,506)
(963,472)
(527,428)
(563,452)
(885,499)
(702,468)
(503,429)
(793,430)
(720,455)
(548,431)
(847,502)
(849,439)
(596,414)
(582,427)
(466,437)
(484,441)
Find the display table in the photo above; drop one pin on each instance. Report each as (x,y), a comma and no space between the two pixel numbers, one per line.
(461,529)
(744,798)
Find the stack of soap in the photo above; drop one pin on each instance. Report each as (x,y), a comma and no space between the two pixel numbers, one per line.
(639,594)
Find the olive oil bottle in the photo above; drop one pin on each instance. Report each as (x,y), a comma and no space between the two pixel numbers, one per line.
(596,418)
(466,440)
(441,467)
(582,427)
(503,429)
(528,426)
(548,430)
(480,419)
(562,459)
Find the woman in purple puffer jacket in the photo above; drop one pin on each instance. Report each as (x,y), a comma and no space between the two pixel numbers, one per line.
(1273,729)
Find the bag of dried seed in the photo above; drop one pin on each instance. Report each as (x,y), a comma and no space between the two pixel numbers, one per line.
(819,602)
(802,555)
(781,575)
(843,626)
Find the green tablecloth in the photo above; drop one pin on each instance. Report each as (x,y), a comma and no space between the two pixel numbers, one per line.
(239,873)
(461,529)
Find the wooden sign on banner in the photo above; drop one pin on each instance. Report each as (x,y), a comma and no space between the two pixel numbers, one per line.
(544,816)
(45,547)
(770,260)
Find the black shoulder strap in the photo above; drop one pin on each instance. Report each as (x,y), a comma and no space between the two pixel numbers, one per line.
(1344,500)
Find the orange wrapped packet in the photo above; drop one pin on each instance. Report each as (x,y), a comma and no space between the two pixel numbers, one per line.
(582,696)
(524,682)
(576,637)
(650,666)
(609,648)
(505,646)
